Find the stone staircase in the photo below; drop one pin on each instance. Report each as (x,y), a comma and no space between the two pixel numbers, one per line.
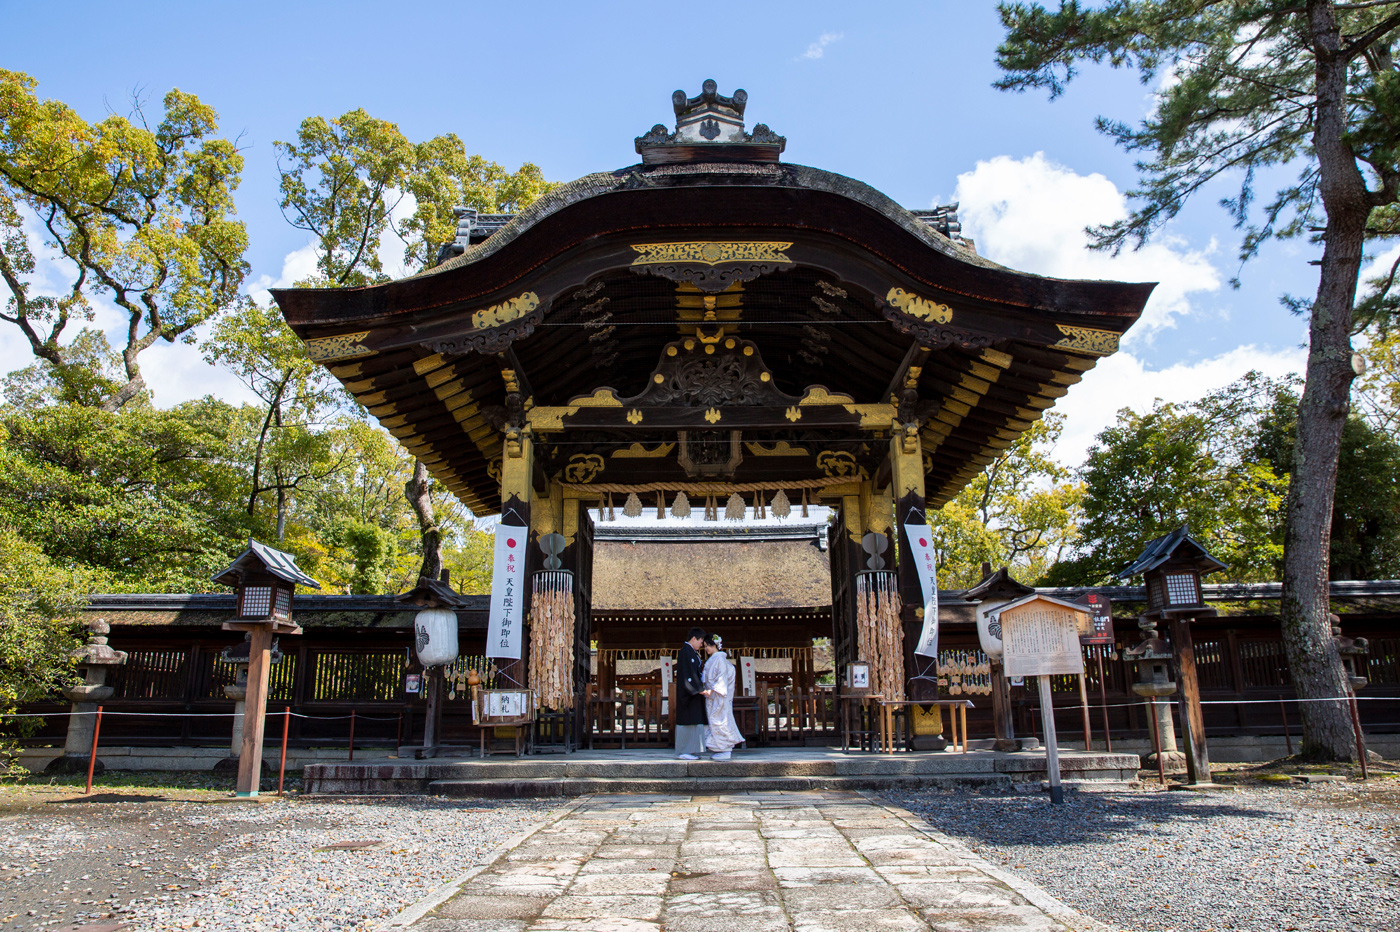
(658,772)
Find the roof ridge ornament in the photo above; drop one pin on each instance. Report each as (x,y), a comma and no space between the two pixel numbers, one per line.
(709,128)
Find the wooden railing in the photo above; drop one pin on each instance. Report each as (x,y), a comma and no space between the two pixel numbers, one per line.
(633,716)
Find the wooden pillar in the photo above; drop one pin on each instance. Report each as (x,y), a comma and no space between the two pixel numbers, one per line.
(1003,724)
(907,490)
(1192,721)
(517,496)
(254,711)
(433,683)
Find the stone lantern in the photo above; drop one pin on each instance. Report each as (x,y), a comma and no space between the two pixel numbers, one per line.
(1153,657)
(93,659)
(435,641)
(1171,567)
(237,657)
(264,580)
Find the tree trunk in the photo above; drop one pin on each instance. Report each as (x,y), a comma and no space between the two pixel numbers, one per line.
(1307,634)
(134,386)
(417,492)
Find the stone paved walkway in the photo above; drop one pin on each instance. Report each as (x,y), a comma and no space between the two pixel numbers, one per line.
(761,862)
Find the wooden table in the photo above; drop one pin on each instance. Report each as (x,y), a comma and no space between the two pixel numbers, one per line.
(887,709)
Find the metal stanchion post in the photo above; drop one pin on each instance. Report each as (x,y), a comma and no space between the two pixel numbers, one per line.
(1288,738)
(92,757)
(352,734)
(282,766)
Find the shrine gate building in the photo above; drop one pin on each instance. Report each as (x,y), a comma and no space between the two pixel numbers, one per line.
(714,329)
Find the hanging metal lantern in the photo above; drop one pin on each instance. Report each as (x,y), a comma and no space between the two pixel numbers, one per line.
(435,636)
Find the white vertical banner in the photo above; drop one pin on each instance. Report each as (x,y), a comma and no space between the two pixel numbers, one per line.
(667,674)
(926,562)
(508,595)
(748,676)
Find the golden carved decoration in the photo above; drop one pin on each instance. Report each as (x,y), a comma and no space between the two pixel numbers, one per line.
(506,311)
(781,448)
(340,346)
(601,398)
(1086,340)
(921,308)
(876,416)
(818,395)
(838,464)
(764,377)
(712,253)
(634,416)
(583,468)
(712,415)
(794,414)
(911,376)
(493,469)
(639,452)
(545,419)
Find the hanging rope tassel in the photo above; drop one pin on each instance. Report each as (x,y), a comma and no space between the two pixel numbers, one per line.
(804,503)
(552,639)
(660,506)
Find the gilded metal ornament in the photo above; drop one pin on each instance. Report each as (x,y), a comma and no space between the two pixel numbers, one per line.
(340,346)
(919,308)
(1086,340)
(710,253)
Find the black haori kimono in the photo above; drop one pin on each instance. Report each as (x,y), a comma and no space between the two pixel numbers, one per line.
(690,705)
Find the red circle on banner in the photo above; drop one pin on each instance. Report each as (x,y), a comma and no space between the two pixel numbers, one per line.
(510,541)
(922,542)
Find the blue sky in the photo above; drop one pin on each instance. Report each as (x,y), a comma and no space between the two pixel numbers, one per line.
(897,95)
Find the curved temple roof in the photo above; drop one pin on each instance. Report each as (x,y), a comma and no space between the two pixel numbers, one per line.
(708,291)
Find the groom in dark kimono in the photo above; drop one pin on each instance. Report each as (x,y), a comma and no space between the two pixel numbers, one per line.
(690,703)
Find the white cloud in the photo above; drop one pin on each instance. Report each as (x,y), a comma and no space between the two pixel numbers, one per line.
(297,265)
(1125,381)
(818,49)
(1030,214)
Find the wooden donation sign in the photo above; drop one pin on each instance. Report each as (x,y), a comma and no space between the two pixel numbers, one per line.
(504,707)
(1040,638)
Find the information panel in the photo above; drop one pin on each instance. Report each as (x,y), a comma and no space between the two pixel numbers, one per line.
(1041,639)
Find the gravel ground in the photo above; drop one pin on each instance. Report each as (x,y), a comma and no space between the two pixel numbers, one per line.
(1313,858)
(213,865)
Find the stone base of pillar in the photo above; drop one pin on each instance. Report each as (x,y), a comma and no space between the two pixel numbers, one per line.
(930,743)
(1172,761)
(73,763)
(1006,744)
(229,767)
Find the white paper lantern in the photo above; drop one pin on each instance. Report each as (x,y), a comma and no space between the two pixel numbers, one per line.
(989,628)
(435,636)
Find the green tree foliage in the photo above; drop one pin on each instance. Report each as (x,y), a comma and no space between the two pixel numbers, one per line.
(1309,87)
(139,216)
(296,395)
(38,604)
(349,181)
(1378,390)
(1021,512)
(138,498)
(1199,464)
(1220,465)
(343,180)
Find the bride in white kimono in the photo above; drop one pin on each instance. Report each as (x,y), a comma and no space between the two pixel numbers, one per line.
(722,733)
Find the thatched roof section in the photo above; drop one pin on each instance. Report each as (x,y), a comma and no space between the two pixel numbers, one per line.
(714,574)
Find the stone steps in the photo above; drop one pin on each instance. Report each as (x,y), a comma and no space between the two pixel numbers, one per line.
(707,786)
(618,771)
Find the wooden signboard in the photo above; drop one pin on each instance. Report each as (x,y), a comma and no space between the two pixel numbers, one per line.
(504,707)
(1040,637)
(1102,616)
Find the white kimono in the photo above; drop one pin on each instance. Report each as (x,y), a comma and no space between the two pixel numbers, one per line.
(722,733)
